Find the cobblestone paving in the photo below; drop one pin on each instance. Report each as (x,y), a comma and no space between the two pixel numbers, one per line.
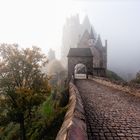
(110,114)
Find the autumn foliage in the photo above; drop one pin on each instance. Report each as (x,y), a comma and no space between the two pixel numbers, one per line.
(23,87)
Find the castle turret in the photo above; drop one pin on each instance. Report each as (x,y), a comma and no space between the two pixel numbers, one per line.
(92,34)
(86,24)
(51,55)
(99,42)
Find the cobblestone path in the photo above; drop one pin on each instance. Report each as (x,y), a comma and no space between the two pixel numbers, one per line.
(110,114)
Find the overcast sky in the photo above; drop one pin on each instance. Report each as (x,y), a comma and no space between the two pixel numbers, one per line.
(40,22)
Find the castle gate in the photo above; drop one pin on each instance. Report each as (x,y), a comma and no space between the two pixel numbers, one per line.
(80,55)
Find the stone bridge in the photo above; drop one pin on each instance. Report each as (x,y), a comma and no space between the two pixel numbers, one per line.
(110,114)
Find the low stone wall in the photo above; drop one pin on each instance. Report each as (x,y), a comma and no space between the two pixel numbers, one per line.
(74,126)
(117,85)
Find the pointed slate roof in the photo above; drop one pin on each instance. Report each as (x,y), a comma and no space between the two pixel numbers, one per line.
(85,36)
(99,42)
(86,21)
(80,52)
(86,25)
(92,34)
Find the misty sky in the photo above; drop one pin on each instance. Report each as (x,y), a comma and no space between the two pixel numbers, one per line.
(40,22)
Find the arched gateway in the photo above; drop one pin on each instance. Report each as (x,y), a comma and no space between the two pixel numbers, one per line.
(80,71)
(80,55)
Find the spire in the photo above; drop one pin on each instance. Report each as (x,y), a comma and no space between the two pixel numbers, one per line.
(99,42)
(51,55)
(86,23)
(92,34)
(86,19)
(86,36)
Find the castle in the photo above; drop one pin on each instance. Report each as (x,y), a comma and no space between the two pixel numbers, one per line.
(82,45)
(99,52)
(72,31)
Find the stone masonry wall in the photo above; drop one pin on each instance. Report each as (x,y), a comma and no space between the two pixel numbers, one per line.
(119,86)
(74,126)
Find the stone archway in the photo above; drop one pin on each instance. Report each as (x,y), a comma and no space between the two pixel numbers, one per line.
(80,71)
(80,55)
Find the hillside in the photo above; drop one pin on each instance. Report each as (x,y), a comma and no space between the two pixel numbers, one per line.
(113,76)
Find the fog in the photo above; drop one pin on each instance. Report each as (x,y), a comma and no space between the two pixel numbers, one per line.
(40,23)
(118,22)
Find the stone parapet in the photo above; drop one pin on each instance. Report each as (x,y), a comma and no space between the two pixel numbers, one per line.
(74,125)
(123,86)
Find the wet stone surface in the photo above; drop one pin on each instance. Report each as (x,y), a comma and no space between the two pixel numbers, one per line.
(110,114)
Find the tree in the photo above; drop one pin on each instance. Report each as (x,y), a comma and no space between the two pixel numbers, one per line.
(113,76)
(138,76)
(54,67)
(137,79)
(57,72)
(23,87)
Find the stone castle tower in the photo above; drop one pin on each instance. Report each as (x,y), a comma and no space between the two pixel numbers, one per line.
(99,52)
(72,32)
(77,35)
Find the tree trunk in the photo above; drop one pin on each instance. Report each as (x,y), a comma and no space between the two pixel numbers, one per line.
(22,128)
